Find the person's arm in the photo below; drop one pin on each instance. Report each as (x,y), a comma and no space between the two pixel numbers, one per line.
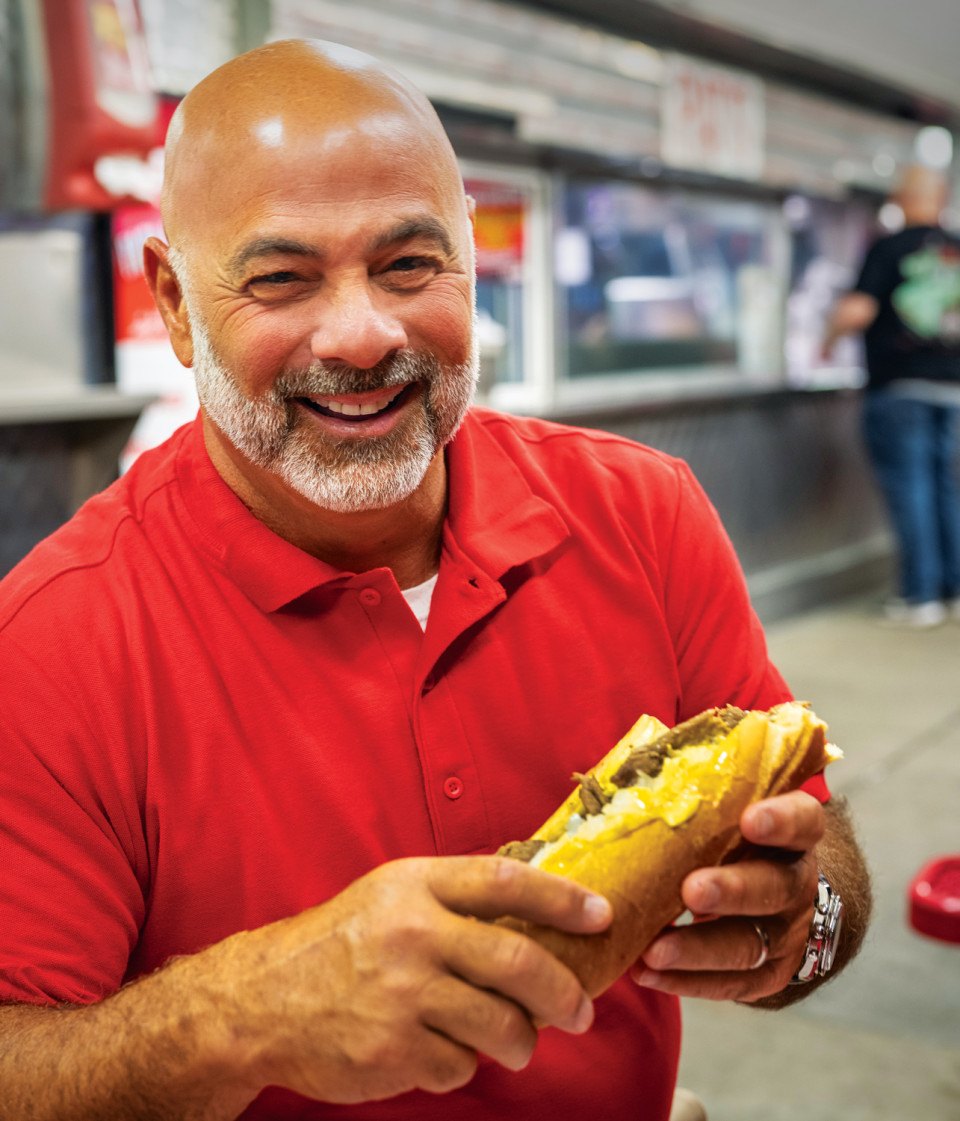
(155,1050)
(852,315)
(389,986)
(775,887)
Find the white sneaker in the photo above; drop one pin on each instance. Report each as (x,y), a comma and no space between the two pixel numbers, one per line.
(687,1107)
(931,613)
(953,608)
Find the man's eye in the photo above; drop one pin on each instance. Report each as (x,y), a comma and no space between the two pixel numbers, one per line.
(413,264)
(277,278)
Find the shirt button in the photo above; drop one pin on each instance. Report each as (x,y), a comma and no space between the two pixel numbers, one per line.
(452,787)
(369,597)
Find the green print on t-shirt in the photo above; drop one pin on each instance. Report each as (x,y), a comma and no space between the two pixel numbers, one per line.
(928,301)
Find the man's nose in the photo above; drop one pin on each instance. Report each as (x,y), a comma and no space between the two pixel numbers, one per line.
(354,330)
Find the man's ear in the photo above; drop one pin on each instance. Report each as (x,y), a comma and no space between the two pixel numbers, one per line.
(168,297)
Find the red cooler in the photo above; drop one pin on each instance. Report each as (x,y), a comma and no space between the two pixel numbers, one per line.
(935,899)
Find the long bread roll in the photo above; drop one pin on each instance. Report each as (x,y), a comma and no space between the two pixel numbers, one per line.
(661,803)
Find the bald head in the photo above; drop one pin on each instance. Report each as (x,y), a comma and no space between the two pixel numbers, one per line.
(922,195)
(281,102)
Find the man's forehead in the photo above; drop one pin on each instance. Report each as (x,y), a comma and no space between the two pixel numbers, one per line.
(276,138)
(377,180)
(296,108)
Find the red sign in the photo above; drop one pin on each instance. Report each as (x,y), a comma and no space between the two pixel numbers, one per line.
(136,317)
(498,228)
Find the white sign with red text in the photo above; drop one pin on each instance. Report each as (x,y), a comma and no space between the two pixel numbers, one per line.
(712,119)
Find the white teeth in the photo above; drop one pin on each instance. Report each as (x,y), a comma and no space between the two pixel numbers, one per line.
(367,409)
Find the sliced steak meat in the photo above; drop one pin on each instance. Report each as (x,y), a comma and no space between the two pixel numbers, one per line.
(521,850)
(592,797)
(649,758)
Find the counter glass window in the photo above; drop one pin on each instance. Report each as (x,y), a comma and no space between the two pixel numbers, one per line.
(828,241)
(654,281)
(500,235)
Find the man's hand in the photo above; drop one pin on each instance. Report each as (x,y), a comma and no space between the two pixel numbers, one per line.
(852,314)
(774,887)
(394,984)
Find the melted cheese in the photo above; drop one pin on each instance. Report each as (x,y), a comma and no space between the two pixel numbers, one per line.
(688,779)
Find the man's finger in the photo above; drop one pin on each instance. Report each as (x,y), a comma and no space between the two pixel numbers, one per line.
(790,821)
(516,967)
(725,945)
(744,986)
(750,887)
(490,886)
(480,1020)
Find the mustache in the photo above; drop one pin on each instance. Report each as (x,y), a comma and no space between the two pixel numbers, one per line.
(328,379)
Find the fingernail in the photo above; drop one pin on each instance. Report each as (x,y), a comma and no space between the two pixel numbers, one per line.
(762,824)
(583,1017)
(521,1062)
(649,978)
(596,909)
(708,895)
(664,954)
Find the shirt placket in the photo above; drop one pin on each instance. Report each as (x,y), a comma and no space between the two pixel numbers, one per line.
(427,679)
(452,784)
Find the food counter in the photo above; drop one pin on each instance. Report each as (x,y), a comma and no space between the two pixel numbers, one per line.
(58,445)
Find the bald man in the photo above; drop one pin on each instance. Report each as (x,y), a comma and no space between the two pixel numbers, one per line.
(272,700)
(906,303)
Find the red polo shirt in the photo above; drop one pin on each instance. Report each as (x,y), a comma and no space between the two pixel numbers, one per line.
(206,729)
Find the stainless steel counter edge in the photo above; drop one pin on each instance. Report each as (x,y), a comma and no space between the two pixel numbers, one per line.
(69,404)
(699,400)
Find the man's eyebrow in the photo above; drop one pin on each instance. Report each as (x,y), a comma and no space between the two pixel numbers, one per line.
(431,229)
(267,247)
(428,228)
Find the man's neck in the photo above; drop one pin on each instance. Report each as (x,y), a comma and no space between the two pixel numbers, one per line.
(921,216)
(404,538)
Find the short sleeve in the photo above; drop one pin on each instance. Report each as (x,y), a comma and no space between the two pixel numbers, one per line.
(880,273)
(71,903)
(720,645)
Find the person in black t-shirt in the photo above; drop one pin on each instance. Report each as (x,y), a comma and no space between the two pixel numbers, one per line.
(906,302)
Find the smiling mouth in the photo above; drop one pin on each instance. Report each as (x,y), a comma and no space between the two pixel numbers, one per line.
(358,412)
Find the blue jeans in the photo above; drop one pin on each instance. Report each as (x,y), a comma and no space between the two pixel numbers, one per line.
(912,446)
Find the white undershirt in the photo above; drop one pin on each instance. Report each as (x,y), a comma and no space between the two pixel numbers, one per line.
(419,599)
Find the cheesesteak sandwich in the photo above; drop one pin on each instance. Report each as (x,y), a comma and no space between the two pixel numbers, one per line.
(660,804)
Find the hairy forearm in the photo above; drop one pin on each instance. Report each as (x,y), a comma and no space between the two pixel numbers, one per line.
(841,860)
(158,1049)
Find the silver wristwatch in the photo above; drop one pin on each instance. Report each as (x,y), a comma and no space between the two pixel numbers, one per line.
(821,949)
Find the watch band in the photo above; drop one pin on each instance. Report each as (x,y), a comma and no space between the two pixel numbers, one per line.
(821,948)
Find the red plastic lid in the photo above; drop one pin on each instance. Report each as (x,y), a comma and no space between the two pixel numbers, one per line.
(935,899)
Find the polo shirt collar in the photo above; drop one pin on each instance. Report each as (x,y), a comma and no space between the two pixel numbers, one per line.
(493,513)
(494,518)
(265,566)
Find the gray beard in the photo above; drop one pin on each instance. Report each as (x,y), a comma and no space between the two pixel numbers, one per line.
(346,476)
